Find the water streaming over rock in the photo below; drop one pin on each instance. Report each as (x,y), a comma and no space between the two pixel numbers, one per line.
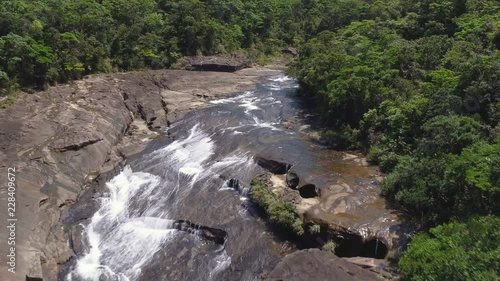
(179,210)
(200,178)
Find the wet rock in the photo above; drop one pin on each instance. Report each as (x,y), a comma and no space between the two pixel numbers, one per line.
(374,248)
(381,267)
(309,191)
(341,194)
(348,156)
(57,138)
(291,196)
(292,180)
(219,63)
(234,184)
(352,238)
(273,166)
(314,264)
(365,262)
(77,239)
(215,235)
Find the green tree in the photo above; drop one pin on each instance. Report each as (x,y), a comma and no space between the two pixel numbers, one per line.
(456,251)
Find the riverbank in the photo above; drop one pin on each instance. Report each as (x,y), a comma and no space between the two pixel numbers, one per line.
(202,177)
(61,139)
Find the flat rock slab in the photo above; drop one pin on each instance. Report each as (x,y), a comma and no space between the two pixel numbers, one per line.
(317,265)
(219,63)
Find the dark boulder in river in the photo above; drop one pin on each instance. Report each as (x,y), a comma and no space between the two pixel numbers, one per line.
(273,166)
(215,235)
(292,180)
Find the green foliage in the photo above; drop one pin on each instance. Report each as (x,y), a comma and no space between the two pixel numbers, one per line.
(455,251)
(315,229)
(434,190)
(449,134)
(10,98)
(472,179)
(280,213)
(43,42)
(417,87)
(329,246)
(415,83)
(413,184)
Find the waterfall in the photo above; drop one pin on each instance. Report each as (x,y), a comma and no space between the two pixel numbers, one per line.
(181,180)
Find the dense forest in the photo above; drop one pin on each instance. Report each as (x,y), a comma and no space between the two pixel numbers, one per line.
(48,41)
(413,83)
(416,84)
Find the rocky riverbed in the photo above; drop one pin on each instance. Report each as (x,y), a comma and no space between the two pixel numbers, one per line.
(66,144)
(61,139)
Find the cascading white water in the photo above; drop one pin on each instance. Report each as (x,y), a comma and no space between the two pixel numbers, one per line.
(136,220)
(113,219)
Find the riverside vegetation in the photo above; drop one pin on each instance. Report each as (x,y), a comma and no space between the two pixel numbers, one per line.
(416,85)
(49,41)
(413,83)
(279,213)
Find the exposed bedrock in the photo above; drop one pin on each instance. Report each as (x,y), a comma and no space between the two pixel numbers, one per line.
(218,63)
(353,216)
(314,264)
(79,244)
(62,139)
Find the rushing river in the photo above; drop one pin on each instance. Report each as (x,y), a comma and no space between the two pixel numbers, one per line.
(180,211)
(137,232)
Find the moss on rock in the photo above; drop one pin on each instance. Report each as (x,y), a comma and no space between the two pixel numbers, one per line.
(278,212)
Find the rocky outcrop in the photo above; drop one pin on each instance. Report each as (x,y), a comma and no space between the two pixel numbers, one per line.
(273,166)
(385,269)
(215,235)
(351,215)
(218,63)
(314,264)
(62,139)
(349,208)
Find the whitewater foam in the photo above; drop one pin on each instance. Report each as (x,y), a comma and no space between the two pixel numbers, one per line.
(120,243)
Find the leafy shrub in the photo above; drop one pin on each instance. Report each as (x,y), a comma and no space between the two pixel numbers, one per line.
(329,246)
(315,229)
(280,213)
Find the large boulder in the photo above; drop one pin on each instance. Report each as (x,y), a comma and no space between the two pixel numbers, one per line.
(309,191)
(292,180)
(219,63)
(273,166)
